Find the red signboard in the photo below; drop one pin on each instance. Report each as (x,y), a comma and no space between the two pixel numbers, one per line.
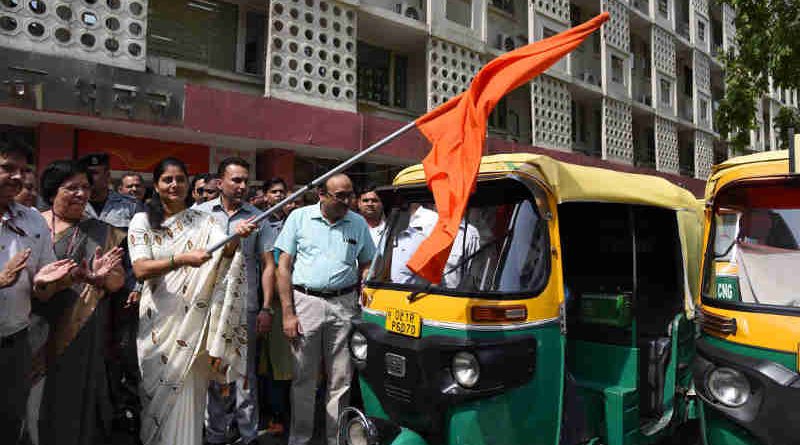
(140,154)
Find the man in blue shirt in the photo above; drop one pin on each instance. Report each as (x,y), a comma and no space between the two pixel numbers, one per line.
(230,209)
(326,250)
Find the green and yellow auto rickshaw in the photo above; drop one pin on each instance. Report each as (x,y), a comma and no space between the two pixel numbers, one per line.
(559,319)
(746,366)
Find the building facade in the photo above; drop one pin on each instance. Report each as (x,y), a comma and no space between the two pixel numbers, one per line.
(295,85)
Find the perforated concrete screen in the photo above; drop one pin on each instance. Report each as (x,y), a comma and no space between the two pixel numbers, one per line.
(728,27)
(312,53)
(110,32)
(703,154)
(555,9)
(552,121)
(617,30)
(666,146)
(700,6)
(450,70)
(664,51)
(618,130)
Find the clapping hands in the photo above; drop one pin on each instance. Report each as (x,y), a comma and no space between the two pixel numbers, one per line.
(12,269)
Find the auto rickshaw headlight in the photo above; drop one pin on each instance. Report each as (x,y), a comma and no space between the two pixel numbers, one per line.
(466,369)
(357,432)
(728,386)
(358,346)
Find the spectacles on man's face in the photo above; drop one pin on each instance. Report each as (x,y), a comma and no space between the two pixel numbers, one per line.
(340,196)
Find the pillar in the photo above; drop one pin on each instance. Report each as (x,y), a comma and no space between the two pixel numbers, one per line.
(54,142)
(276,162)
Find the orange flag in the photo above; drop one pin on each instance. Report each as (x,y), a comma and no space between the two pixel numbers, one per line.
(457,131)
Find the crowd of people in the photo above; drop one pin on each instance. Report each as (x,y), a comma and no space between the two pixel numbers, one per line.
(119,324)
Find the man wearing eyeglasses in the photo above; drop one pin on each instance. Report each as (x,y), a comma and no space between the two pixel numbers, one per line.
(326,250)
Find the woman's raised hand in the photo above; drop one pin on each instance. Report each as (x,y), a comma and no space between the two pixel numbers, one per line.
(103,264)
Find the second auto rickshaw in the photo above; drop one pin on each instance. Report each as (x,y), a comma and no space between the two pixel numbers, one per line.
(746,368)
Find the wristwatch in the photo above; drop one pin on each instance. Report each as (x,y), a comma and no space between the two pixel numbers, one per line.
(268,310)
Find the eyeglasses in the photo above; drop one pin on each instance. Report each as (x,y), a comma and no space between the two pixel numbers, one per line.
(341,196)
(74,189)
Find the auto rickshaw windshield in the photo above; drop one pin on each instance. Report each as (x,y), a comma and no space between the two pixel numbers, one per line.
(755,236)
(501,246)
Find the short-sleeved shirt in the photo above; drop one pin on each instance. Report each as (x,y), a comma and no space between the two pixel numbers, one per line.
(118,210)
(420,226)
(326,255)
(268,243)
(23,228)
(252,246)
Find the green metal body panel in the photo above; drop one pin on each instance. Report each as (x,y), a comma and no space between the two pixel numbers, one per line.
(608,379)
(718,429)
(408,437)
(527,415)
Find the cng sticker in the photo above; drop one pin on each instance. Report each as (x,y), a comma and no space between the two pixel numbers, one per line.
(728,288)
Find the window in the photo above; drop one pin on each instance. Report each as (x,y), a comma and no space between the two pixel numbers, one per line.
(574,15)
(617,70)
(687,81)
(459,11)
(502,246)
(701,30)
(253,45)
(665,92)
(216,34)
(663,8)
(498,119)
(505,5)
(754,248)
(703,110)
(382,76)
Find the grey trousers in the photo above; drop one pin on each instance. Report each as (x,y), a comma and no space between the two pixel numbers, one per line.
(15,373)
(245,408)
(324,325)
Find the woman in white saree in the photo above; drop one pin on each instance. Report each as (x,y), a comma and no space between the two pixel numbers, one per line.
(192,325)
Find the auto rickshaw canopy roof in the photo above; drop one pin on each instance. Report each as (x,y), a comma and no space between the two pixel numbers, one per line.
(570,182)
(769,163)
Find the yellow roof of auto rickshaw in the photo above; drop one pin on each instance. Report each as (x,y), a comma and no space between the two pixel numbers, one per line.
(768,163)
(572,182)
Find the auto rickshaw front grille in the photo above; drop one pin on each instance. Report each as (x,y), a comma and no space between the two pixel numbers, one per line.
(398,393)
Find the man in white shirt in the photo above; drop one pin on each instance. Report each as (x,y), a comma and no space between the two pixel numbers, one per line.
(29,269)
(420,225)
(370,207)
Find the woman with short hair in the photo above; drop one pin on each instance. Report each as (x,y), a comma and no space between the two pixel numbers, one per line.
(75,408)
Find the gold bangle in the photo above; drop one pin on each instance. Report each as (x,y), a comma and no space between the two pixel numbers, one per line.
(172,261)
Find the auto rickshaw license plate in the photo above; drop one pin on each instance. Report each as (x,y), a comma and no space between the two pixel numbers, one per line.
(403,322)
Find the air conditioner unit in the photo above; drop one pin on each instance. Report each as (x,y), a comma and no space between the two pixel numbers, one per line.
(505,42)
(407,9)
